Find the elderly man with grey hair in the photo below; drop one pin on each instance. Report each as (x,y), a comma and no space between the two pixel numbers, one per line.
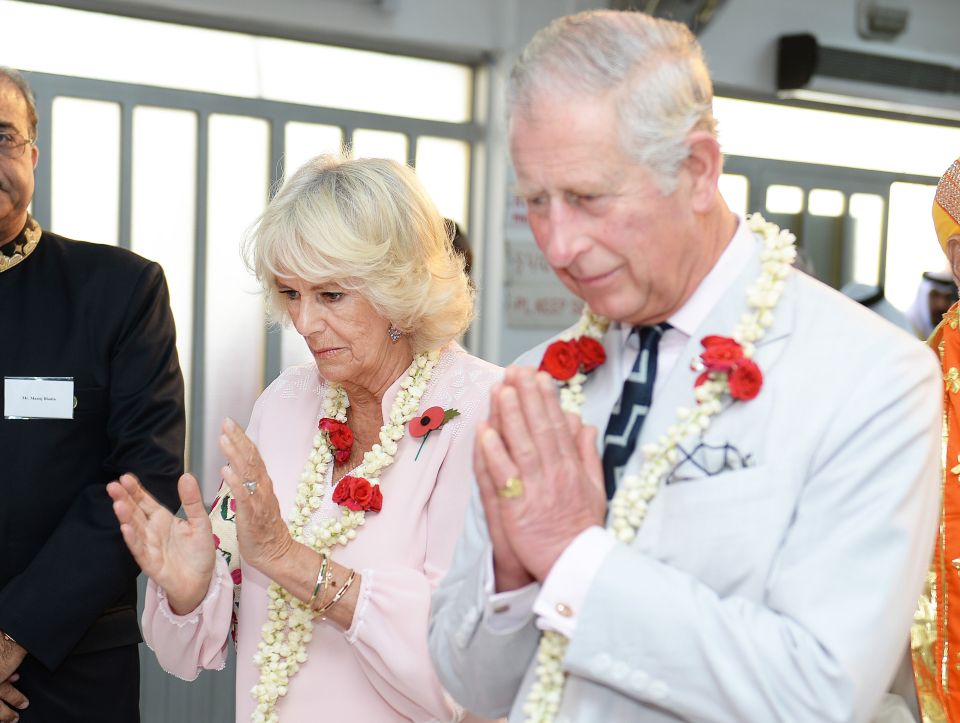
(717,499)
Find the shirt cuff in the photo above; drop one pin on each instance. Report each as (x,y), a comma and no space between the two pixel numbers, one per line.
(565,587)
(192,617)
(506,612)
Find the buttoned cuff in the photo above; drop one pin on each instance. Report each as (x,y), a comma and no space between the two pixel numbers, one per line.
(565,587)
(507,612)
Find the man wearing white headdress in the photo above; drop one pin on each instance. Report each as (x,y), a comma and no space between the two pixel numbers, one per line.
(935,295)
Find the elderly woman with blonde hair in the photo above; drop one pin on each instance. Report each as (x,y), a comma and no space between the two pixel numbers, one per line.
(342,502)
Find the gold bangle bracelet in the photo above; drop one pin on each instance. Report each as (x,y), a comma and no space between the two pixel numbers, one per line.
(339,594)
(322,580)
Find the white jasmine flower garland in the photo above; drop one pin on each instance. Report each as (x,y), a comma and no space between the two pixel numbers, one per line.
(289,626)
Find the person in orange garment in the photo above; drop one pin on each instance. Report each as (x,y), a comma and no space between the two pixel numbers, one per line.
(935,638)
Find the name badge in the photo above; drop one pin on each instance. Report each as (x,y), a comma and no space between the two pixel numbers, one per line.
(38,397)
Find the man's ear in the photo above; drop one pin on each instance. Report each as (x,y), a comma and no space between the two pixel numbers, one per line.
(704,165)
(953,256)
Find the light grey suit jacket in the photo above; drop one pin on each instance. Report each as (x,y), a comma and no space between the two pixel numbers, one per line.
(782,591)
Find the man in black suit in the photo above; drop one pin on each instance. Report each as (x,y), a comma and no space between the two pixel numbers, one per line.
(91,389)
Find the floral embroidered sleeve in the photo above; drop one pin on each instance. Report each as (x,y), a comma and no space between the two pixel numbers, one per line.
(186,644)
(223,514)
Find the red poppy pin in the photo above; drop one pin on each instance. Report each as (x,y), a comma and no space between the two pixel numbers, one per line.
(433,418)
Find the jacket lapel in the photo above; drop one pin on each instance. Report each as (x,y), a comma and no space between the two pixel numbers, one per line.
(678,390)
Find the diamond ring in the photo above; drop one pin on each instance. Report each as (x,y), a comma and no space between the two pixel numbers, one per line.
(251,485)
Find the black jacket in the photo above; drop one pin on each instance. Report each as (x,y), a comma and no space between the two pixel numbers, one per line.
(102,316)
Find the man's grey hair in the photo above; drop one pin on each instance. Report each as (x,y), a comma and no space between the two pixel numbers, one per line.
(21,84)
(653,68)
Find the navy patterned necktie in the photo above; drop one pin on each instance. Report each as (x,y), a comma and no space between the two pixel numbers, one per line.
(631,409)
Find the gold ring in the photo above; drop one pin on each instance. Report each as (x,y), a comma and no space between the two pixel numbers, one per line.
(512,489)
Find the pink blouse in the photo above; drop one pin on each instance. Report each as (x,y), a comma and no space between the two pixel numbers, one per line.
(379,669)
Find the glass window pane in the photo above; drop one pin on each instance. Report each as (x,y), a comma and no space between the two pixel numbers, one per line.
(163,210)
(444,167)
(750,128)
(734,189)
(784,199)
(866,212)
(215,61)
(825,202)
(912,246)
(379,144)
(235,329)
(85,161)
(304,141)
(211,61)
(364,80)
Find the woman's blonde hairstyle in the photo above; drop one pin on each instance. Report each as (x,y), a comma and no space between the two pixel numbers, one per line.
(369,225)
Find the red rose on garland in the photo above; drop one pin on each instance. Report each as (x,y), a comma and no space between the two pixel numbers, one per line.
(561,360)
(720,353)
(236,576)
(715,339)
(723,355)
(592,353)
(564,358)
(340,436)
(360,493)
(376,499)
(357,494)
(745,381)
